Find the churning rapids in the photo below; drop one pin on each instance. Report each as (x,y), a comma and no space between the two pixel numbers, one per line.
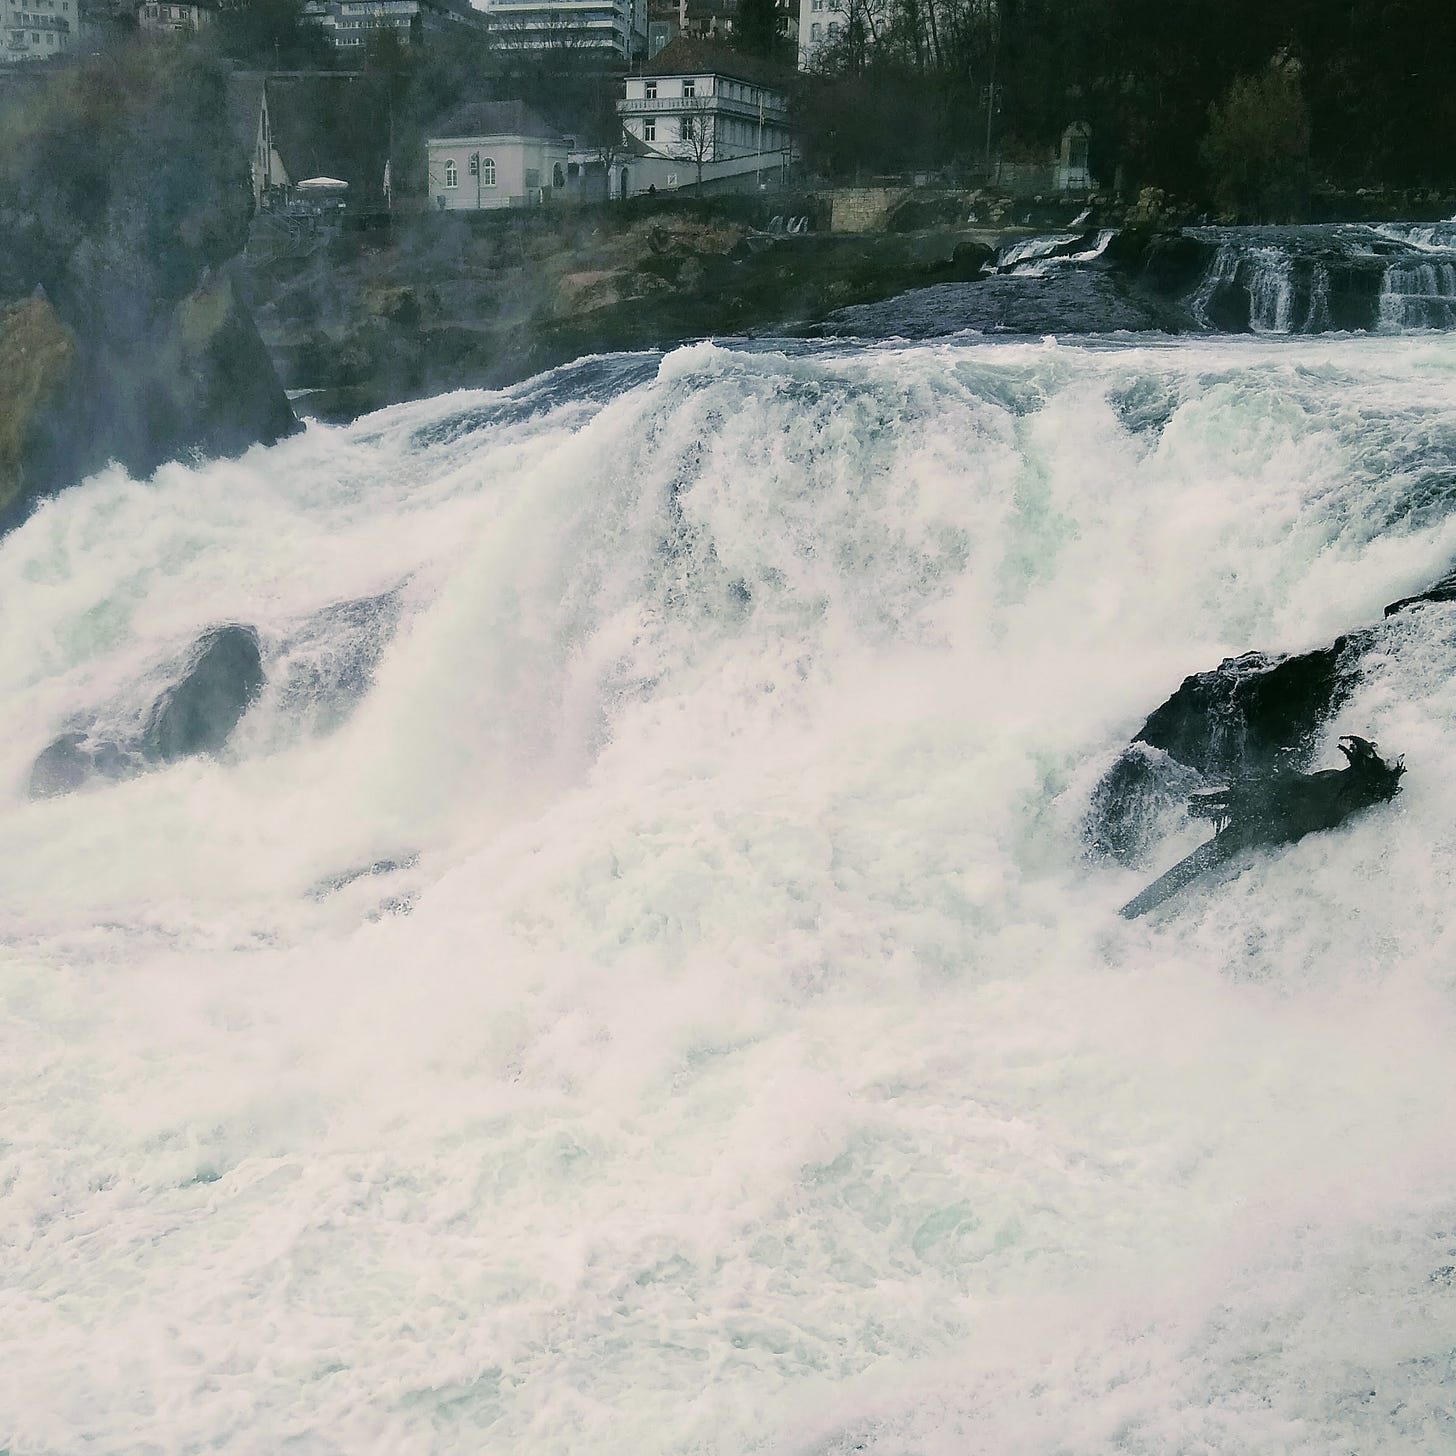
(634,980)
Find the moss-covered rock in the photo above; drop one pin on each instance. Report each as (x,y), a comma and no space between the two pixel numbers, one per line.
(37,362)
(123,197)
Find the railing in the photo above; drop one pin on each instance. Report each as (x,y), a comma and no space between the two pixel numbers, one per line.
(700,106)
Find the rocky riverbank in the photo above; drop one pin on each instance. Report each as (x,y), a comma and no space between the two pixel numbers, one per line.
(354,322)
(359,322)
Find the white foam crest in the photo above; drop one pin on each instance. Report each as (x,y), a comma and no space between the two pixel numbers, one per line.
(736,1051)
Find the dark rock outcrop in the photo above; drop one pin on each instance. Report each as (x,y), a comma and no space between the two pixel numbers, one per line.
(1443,591)
(1251,712)
(198,715)
(1250,716)
(123,198)
(220,677)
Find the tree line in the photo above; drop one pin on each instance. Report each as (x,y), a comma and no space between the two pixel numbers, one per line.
(1247,102)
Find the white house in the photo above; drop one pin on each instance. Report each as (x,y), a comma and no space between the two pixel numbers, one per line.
(495,154)
(36,30)
(821,22)
(697,109)
(597,27)
(173,16)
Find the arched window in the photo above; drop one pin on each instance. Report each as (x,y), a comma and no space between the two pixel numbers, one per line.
(558,177)
(452,175)
(487,171)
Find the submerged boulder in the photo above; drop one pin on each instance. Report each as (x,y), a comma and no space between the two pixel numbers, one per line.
(198,715)
(218,680)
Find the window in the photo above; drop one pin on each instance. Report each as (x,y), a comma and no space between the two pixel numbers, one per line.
(558,177)
(816,5)
(452,174)
(649,90)
(690,88)
(833,29)
(487,171)
(685,128)
(649,128)
(816,31)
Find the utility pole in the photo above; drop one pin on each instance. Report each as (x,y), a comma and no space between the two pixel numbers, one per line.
(758,174)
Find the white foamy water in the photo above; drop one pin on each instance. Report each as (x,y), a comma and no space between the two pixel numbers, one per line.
(735,1049)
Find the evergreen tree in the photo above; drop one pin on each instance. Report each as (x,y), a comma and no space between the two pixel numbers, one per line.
(756,29)
(1257,146)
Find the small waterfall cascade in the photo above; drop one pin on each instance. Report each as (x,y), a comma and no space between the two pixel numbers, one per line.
(1419,294)
(1394,278)
(1317,320)
(1439,235)
(1271,291)
(1255,287)
(1029,250)
(1221,274)
(1032,257)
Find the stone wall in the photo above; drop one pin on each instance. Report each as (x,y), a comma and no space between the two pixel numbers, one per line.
(861,209)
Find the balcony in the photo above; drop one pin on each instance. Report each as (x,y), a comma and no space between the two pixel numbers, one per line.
(711,105)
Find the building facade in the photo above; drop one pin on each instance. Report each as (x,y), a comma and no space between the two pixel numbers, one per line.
(697,111)
(664,24)
(821,23)
(348,24)
(605,28)
(717,19)
(37,30)
(155,18)
(496,154)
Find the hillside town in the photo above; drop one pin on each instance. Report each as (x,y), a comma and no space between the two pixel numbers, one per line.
(528,103)
(459,107)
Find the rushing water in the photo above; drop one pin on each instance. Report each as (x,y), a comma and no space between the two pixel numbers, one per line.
(635,982)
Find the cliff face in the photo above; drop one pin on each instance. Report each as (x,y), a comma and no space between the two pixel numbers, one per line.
(123,198)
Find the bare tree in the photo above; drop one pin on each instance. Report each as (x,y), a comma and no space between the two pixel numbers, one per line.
(695,134)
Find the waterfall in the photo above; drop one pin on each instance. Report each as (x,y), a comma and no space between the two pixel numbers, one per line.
(1271,290)
(635,981)
(1221,274)
(1317,319)
(1417,295)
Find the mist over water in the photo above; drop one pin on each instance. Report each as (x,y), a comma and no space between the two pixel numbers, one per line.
(636,983)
